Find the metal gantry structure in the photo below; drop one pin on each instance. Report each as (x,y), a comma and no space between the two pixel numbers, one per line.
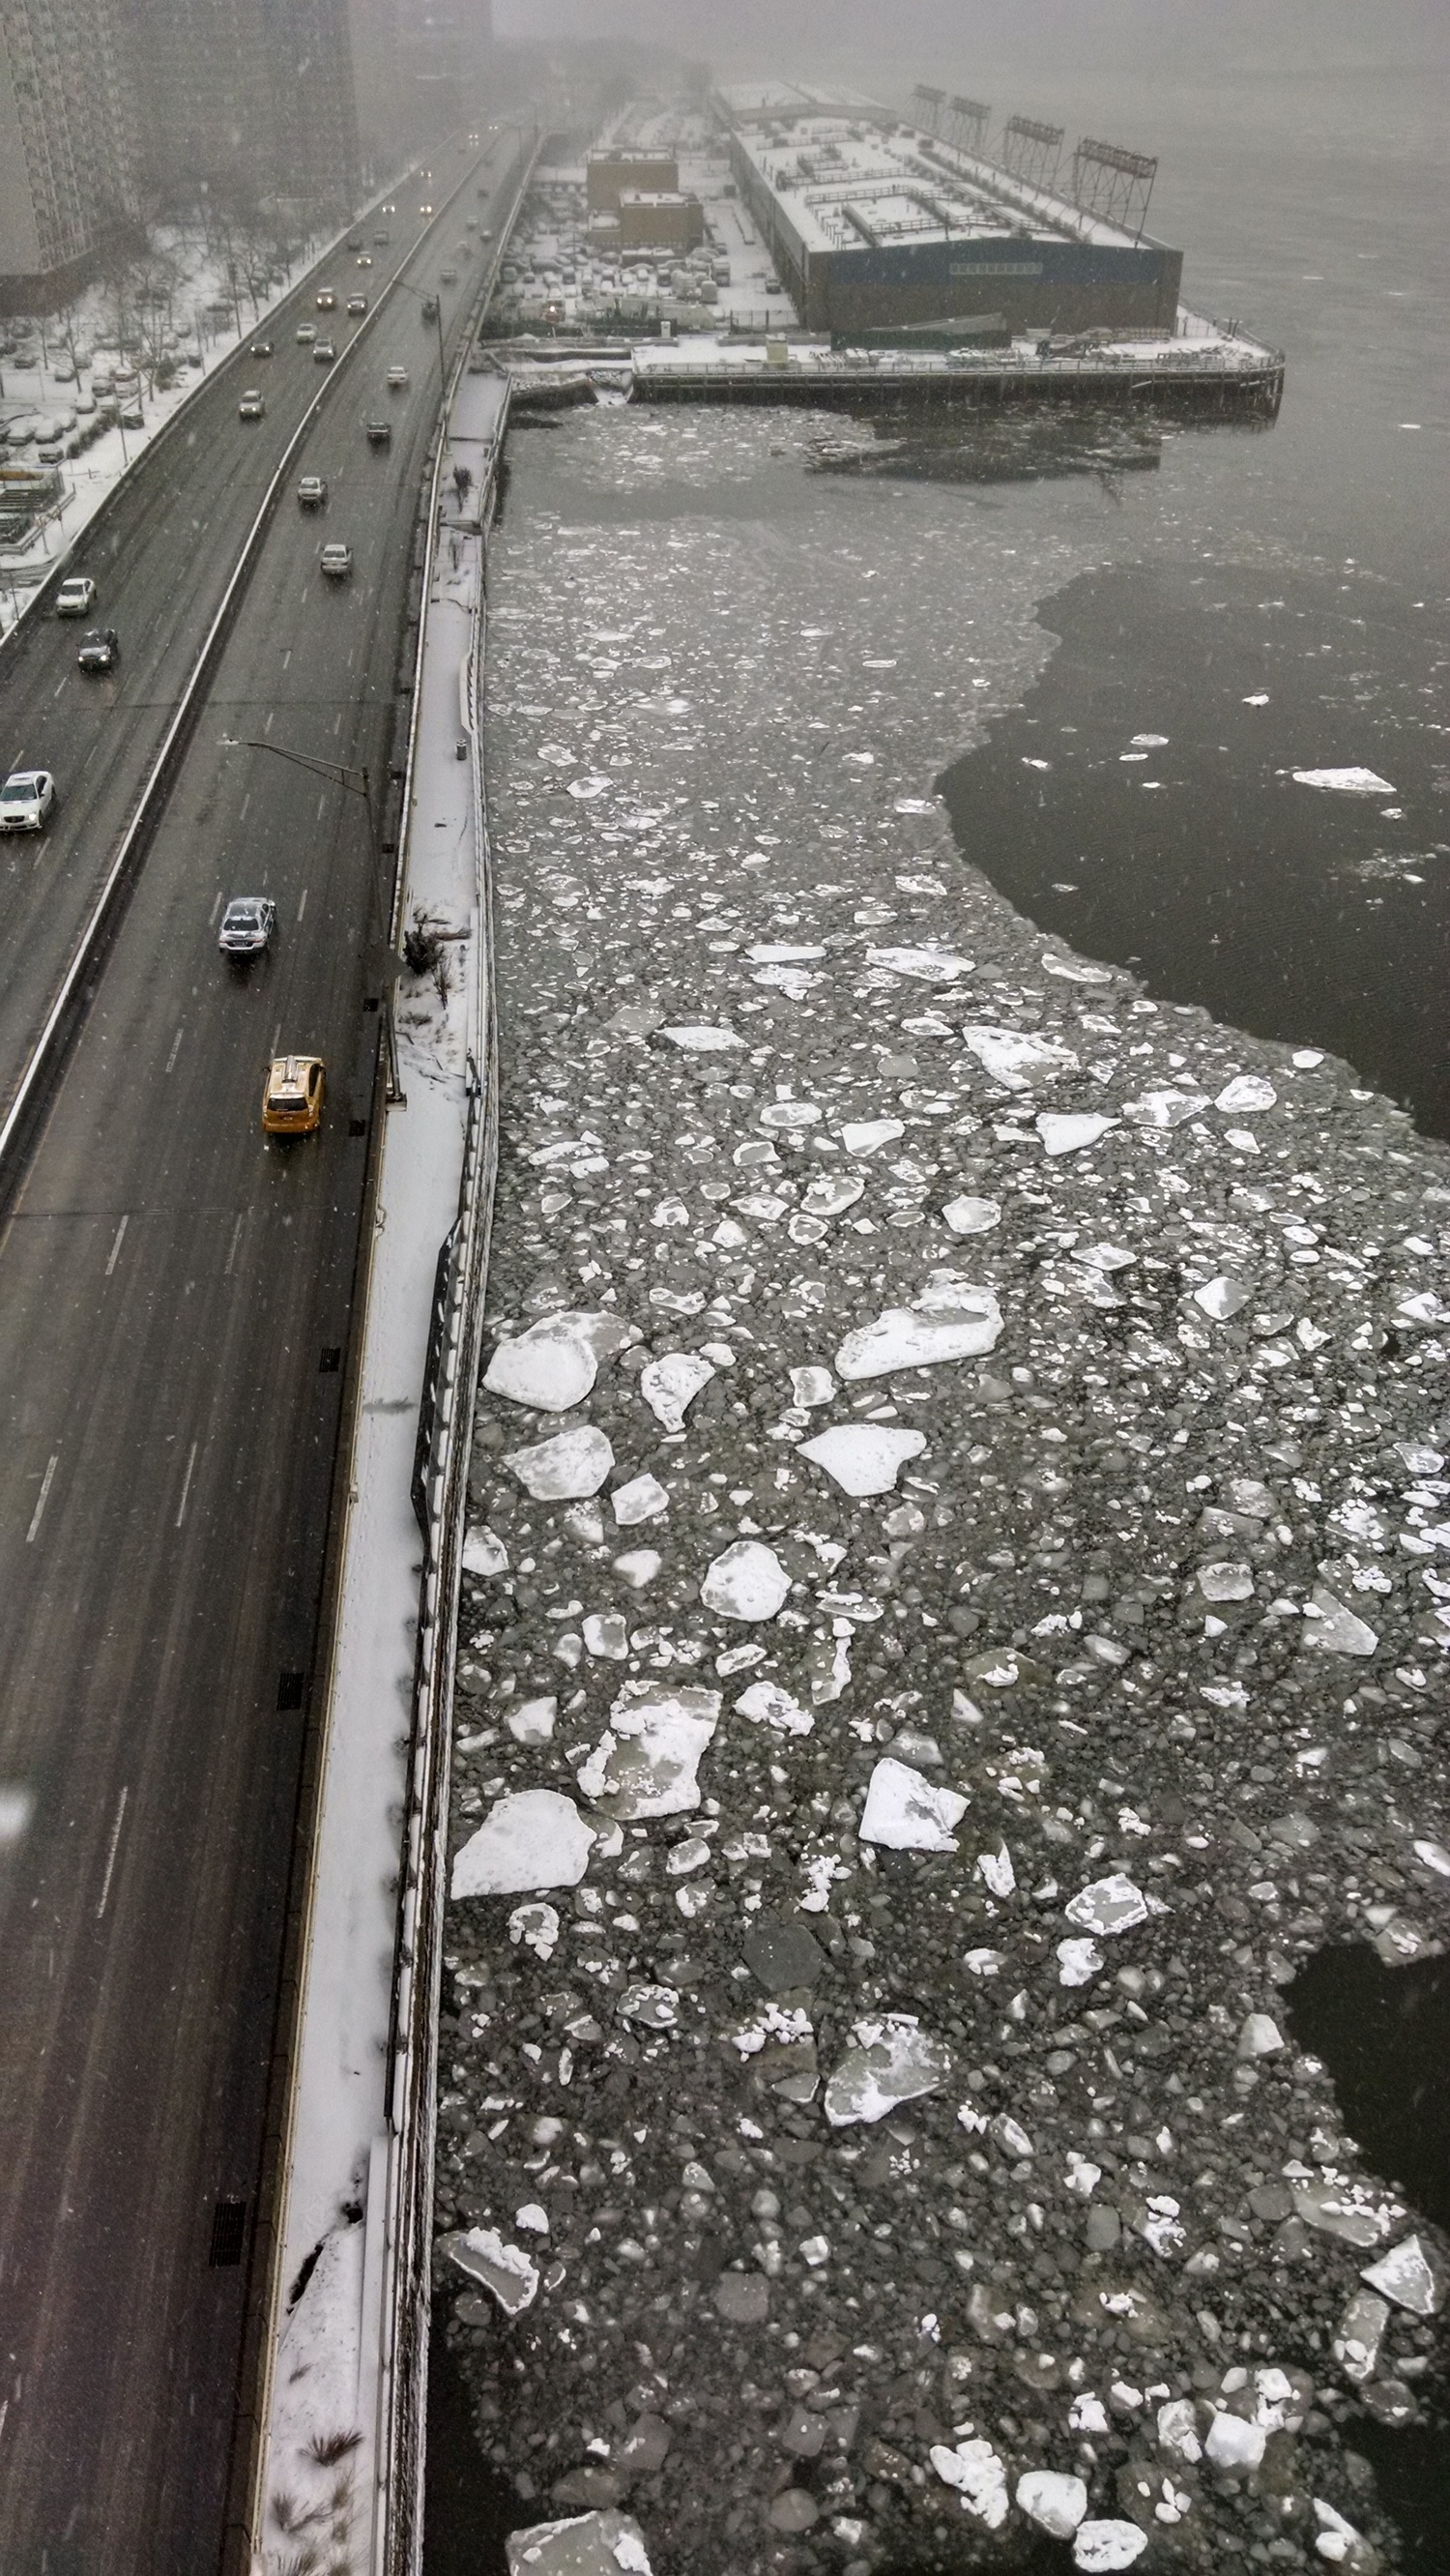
(1113,184)
(968,120)
(1031,152)
(1108,183)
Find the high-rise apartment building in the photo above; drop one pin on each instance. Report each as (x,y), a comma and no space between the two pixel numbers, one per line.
(68,135)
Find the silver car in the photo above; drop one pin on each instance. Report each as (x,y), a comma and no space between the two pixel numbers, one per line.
(247,925)
(26,800)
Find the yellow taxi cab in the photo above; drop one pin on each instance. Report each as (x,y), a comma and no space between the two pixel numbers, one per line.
(292,1097)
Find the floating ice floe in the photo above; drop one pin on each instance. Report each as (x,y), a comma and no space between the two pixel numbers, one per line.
(484,1552)
(536,1928)
(703,1039)
(1349,2210)
(1067,1131)
(1082,1960)
(1259,2036)
(1329,1625)
(1362,2327)
(605,1634)
(554,1363)
(590,2544)
(1016,1058)
(925,965)
(914,805)
(996,1872)
(1073,971)
(831,1195)
(1411,2274)
(1164,1109)
(1221,1298)
(1247,1091)
(810,1386)
(893,2061)
(642,1499)
(588,787)
(1338,2543)
(1348,782)
(638,1566)
(1054,2501)
(533,1839)
(572,1463)
(1110,1905)
(978,2476)
(901,1339)
(506,2270)
(532,1722)
(768,1705)
(1233,2444)
(972,1216)
(1226,1582)
(646,1761)
(1435,1856)
(863,1457)
(670,1385)
(866,1135)
(1100,2548)
(906,1813)
(747,1582)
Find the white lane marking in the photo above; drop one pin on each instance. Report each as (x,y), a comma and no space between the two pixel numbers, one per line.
(115,1845)
(216,907)
(55,693)
(186,1488)
(276,1033)
(175,1050)
(116,1246)
(322,805)
(45,1485)
(337,721)
(246,800)
(302,903)
(287,656)
(232,1247)
(267,727)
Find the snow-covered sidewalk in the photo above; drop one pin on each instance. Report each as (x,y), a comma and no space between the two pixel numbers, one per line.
(325,2379)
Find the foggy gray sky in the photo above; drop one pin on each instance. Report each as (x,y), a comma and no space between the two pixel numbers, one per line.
(970,41)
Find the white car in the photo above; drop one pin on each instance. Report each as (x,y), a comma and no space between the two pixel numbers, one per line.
(26,800)
(397,380)
(76,596)
(335,562)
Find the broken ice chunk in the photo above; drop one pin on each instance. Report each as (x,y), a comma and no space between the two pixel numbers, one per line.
(1100,2548)
(670,1385)
(534,1839)
(1348,782)
(1348,2210)
(810,1386)
(590,2544)
(866,1135)
(1247,1091)
(1411,2274)
(900,1339)
(1333,1628)
(996,1871)
(1338,2542)
(1054,2501)
(1067,1131)
(506,2270)
(638,1566)
(1260,2036)
(1435,1856)
(573,1462)
(747,1582)
(605,1634)
(656,2007)
(1225,1582)
(1110,1905)
(1233,2444)
(532,1722)
(925,965)
(972,1216)
(483,1552)
(536,1927)
(1221,1298)
(642,1499)
(646,1760)
(1073,971)
(863,1458)
(554,1364)
(768,1705)
(979,2477)
(1016,1058)
(1178,2430)
(1081,1962)
(1361,2332)
(1164,1109)
(831,1195)
(906,1813)
(703,1040)
(892,2061)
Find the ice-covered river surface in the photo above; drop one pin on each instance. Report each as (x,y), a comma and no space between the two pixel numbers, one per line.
(958,1597)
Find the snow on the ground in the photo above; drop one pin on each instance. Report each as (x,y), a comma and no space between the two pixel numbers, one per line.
(895,2098)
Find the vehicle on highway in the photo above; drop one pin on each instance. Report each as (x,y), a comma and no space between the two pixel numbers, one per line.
(261,349)
(448,277)
(336,562)
(323,352)
(425,210)
(355,241)
(397,380)
(26,800)
(312,492)
(430,308)
(357,304)
(382,239)
(247,925)
(76,596)
(100,650)
(292,1095)
(364,262)
(326,301)
(306,331)
(390,210)
(251,406)
(380,433)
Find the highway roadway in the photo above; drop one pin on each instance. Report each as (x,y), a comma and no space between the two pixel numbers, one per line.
(175,1299)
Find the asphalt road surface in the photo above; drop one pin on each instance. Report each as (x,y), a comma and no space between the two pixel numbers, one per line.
(175,1294)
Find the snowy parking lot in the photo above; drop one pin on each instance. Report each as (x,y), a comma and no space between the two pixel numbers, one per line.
(956,1620)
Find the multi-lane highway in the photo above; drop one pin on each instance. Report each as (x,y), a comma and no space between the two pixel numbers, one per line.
(175,1295)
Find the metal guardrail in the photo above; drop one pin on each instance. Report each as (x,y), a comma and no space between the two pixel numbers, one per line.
(440,1485)
(68,1007)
